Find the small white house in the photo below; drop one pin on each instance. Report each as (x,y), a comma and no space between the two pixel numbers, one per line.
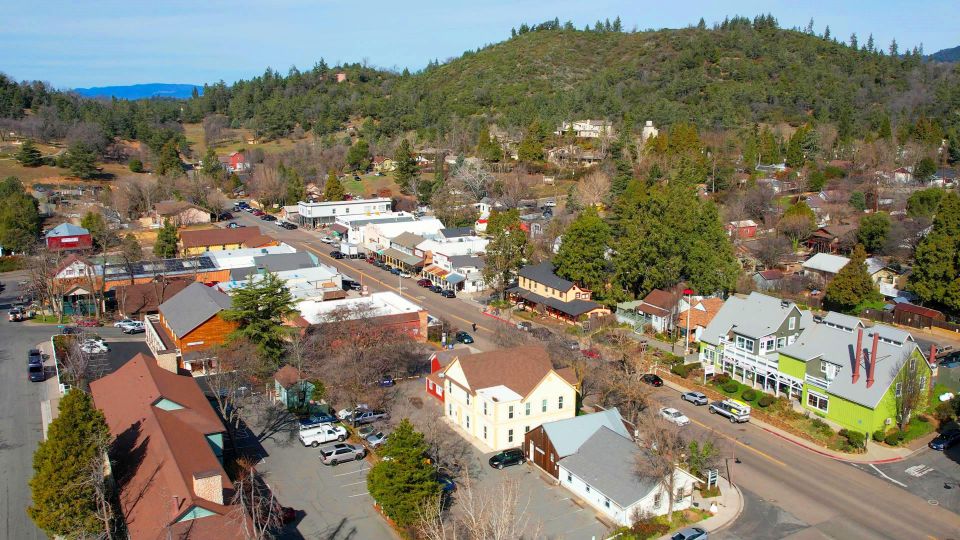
(314,214)
(602,474)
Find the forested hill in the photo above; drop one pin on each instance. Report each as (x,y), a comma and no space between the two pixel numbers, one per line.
(739,72)
(140,91)
(946,55)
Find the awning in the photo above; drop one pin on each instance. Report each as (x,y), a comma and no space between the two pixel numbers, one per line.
(435,270)
(573,308)
(455,278)
(410,260)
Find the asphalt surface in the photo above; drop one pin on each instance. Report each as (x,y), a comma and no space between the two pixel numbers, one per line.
(20,426)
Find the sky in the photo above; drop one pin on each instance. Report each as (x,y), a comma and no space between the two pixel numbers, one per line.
(74,44)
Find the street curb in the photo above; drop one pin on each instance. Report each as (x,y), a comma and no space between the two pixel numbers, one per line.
(739,509)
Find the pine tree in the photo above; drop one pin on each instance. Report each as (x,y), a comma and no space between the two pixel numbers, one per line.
(64,500)
(168,163)
(29,155)
(617,24)
(165,246)
(826,33)
(795,154)
(852,285)
(582,254)
(873,231)
(487,147)
(211,164)
(259,309)
(358,157)
(936,270)
(81,160)
(702,24)
(406,164)
(400,485)
(853,41)
(333,189)
(531,147)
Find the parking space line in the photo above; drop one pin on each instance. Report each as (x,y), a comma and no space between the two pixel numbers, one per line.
(355,483)
(358,494)
(351,472)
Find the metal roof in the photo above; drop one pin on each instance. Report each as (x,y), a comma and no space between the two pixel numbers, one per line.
(543,273)
(66,229)
(192,307)
(568,435)
(755,316)
(826,262)
(606,462)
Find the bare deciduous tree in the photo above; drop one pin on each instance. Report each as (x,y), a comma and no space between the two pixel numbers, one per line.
(910,388)
(258,510)
(267,185)
(593,188)
(497,513)
(663,449)
(215,129)
(474,178)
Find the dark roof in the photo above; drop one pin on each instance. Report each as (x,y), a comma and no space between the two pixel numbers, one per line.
(543,273)
(192,307)
(218,237)
(573,308)
(771,275)
(919,310)
(454,232)
(661,299)
(162,267)
(606,462)
(143,297)
(459,261)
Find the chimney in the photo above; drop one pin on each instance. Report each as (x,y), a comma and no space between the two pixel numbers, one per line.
(873,359)
(858,356)
(208,485)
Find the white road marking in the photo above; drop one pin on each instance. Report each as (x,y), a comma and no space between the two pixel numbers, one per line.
(351,472)
(355,483)
(918,470)
(897,482)
(358,495)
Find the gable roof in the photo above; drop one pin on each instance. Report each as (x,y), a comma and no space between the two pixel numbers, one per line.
(567,436)
(275,262)
(159,451)
(169,208)
(143,297)
(543,273)
(605,461)
(407,240)
(192,307)
(771,275)
(218,236)
(454,232)
(66,229)
(755,316)
(519,368)
(658,302)
(701,317)
(825,262)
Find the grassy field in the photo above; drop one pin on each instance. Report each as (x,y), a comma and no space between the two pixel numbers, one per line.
(194,135)
(369,185)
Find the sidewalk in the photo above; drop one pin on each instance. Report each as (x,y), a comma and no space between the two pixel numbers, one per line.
(875,453)
(50,405)
(729,506)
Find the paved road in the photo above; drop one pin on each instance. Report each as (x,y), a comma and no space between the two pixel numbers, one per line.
(20,430)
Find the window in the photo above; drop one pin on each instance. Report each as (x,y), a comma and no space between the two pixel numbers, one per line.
(744,344)
(569,478)
(510,411)
(923,382)
(484,432)
(679,496)
(449,409)
(587,486)
(509,435)
(528,409)
(898,391)
(817,401)
(793,323)
(560,402)
(781,342)
(468,396)
(913,363)
(526,429)
(449,385)
(767,344)
(656,500)
(606,502)
(468,421)
(485,408)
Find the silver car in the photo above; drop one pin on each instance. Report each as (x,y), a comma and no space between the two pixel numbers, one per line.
(341,453)
(375,440)
(696,398)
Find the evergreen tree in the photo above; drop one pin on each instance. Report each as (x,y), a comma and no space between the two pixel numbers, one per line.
(81,160)
(64,501)
(894,49)
(168,162)
(617,25)
(924,169)
(885,132)
(711,266)
(211,164)
(924,202)
(333,189)
(487,147)
(582,254)
(507,251)
(870,46)
(29,155)
(296,191)
(702,24)
(852,285)
(259,309)
(853,41)
(826,33)
(19,218)
(858,200)
(135,165)
(400,485)
(358,157)
(623,166)
(94,222)
(873,231)
(165,246)
(795,155)
(531,147)
(407,168)
(936,270)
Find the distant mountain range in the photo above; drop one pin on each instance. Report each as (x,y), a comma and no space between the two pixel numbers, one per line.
(141,91)
(946,55)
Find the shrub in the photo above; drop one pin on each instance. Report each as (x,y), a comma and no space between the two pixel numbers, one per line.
(680,370)
(731,387)
(136,165)
(879,435)
(944,412)
(671,359)
(721,379)
(855,438)
(647,528)
(749,394)
(821,426)
(893,439)
(766,401)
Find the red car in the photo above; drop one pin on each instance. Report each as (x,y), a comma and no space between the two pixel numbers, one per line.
(371,260)
(258,212)
(424,282)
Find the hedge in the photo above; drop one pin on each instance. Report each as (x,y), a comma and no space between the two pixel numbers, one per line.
(879,435)
(766,401)
(749,394)
(721,379)
(855,438)
(731,387)
(893,439)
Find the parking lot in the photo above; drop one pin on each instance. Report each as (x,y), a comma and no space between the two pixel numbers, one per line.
(932,475)
(331,502)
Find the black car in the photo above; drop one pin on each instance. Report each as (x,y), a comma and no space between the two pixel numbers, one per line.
(268,217)
(448,294)
(653,380)
(436,289)
(289,226)
(224,216)
(350,285)
(317,419)
(34,357)
(35,373)
(336,254)
(945,440)
(464,337)
(379,264)
(511,456)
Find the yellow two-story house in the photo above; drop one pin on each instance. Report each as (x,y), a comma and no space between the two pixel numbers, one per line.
(498,396)
(540,289)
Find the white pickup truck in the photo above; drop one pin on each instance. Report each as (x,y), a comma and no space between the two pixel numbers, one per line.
(734,410)
(322,434)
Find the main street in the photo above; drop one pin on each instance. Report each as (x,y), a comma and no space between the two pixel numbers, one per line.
(790,491)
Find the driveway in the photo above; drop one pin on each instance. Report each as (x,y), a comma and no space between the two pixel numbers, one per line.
(332,503)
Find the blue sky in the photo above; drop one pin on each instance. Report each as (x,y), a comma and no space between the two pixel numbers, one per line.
(77,44)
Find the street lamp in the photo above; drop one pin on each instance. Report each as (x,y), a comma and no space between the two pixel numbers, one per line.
(686,338)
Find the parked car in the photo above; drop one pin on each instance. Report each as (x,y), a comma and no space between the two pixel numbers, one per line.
(506,458)
(436,289)
(691,533)
(67,330)
(35,373)
(674,416)
(653,380)
(375,440)
(447,485)
(362,416)
(945,440)
(365,431)
(224,216)
(464,337)
(341,453)
(336,254)
(289,226)
(386,381)
(233,225)
(34,357)
(697,398)
(94,347)
(322,434)
(268,217)
(15,315)
(424,282)
(134,329)
(379,264)
(350,285)
(447,293)
(259,213)
(735,411)
(395,271)
(123,322)
(317,419)
(370,260)
(345,414)
(328,240)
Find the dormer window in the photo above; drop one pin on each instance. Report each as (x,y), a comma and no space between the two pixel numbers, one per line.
(744,344)
(829,370)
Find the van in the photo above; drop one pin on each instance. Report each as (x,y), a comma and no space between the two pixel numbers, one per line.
(322,434)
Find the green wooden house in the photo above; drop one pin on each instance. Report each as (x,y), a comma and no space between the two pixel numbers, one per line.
(291,389)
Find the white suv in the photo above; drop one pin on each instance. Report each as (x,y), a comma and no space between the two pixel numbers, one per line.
(322,434)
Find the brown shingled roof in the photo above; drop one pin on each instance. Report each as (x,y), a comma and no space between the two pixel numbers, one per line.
(218,237)
(287,376)
(519,368)
(141,298)
(159,451)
